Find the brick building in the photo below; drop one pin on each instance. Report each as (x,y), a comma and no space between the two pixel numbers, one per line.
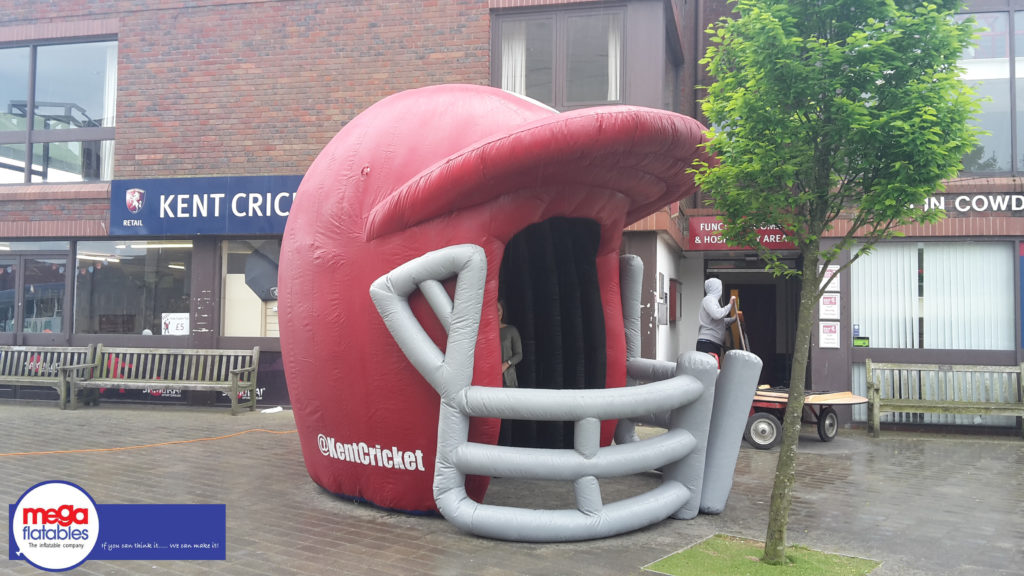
(207,113)
(946,293)
(219,106)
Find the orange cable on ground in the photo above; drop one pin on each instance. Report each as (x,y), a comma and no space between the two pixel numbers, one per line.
(118,449)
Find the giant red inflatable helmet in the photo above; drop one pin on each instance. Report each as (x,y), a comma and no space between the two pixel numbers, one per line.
(546,196)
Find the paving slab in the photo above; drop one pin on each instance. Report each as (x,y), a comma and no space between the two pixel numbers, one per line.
(921,503)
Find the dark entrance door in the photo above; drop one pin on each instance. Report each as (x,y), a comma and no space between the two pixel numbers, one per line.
(758,303)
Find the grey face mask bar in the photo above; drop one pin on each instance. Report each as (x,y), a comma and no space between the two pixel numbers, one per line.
(681,397)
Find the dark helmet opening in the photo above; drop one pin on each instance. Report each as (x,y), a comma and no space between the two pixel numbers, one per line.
(549,286)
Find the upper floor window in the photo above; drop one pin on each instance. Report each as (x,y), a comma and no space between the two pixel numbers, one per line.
(566,59)
(57,107)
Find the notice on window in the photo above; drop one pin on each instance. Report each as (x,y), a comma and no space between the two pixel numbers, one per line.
(833,273)
(828,334)
(828,307)
(174,323)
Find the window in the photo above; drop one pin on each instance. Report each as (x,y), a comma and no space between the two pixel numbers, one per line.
(563,59)
(8,280)
(987,69)
(670,90)
(935,295)
(129,287)
(43,294)
(32,286)
(250,287)
(997,57)
(675,298)
(63,129)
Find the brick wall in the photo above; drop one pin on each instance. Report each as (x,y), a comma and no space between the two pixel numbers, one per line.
(227,88)
(54,210)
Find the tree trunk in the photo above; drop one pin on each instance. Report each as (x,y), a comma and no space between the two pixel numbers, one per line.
(785,471)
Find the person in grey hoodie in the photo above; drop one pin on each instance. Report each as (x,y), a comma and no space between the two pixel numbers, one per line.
(714,318)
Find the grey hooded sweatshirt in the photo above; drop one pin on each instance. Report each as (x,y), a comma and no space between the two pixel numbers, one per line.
(714,318)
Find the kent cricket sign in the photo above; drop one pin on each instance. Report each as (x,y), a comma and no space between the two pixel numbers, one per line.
(186,206)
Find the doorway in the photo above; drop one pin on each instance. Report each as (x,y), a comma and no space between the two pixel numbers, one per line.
(33,298)
(757,301)
(769,306)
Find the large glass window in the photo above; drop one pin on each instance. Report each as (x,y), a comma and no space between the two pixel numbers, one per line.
(63,130)
(528,54)
(250,287)
(33,286)
(43,294)
(68,161)
(987,70)
(131,287)
(935,295)
(593,53)
(8,285)
(76,85)
(563,59)
(13,87)
(1018,59)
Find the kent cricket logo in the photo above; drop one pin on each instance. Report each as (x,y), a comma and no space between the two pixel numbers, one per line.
(134,199)
(362,453)
(54,526)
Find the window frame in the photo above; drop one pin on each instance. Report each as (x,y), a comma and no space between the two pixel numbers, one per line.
(559,18)
(32,136)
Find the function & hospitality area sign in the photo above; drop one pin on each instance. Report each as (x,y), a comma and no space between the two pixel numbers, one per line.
(706,234)
(215,205)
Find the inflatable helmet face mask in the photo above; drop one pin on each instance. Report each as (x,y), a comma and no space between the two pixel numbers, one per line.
(442,199)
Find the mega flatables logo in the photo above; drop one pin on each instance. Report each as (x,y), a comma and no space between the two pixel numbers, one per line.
(55,525)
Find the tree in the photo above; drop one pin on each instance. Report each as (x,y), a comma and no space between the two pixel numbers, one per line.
(824,113)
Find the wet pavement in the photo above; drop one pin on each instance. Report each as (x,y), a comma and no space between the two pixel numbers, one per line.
(921,503)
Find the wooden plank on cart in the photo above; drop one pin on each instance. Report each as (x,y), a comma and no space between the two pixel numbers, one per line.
(834,398)
(811,397)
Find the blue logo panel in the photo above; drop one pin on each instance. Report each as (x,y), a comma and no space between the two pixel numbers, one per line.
(225,205)
(155,532)
(161,532)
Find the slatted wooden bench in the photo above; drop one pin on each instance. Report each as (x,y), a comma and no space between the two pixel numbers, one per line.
(40,366)
(232,372)
(943,389)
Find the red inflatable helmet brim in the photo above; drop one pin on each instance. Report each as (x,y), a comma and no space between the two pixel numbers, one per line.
(644,154)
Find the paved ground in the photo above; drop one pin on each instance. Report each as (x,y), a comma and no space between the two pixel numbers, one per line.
(923,504)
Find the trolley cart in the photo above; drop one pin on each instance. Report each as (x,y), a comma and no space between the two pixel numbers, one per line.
(764,426)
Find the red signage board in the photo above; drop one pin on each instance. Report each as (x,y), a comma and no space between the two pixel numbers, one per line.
(706,234)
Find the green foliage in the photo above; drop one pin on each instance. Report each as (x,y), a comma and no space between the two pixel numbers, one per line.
(829,108)
(830,113)
(723,555)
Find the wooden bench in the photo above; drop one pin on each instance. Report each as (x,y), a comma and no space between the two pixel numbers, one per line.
(41,366)
(229,371)
(943,389)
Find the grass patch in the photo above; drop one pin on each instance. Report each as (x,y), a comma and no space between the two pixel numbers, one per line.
(723,555)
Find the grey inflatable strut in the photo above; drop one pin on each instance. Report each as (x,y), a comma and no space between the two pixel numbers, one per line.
(733,394)
(681,396)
